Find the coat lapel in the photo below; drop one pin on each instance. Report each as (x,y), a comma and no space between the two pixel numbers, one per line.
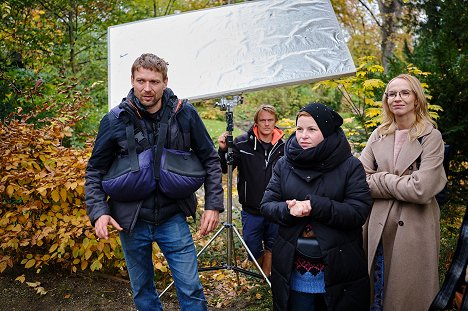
(383,153)
(410,152)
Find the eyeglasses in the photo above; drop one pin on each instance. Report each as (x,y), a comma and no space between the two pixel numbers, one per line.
(402,93)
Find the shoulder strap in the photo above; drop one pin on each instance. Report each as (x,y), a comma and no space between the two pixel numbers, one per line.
(130,134)
(129,130)
(163,125)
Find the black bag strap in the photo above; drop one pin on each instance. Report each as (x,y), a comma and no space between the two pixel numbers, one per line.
(132,154)
(130,133)
(162,133)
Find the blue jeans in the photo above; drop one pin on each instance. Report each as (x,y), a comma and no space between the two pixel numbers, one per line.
(175,241)
(259,233)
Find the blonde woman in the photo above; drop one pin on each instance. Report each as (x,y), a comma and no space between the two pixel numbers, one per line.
(403,160)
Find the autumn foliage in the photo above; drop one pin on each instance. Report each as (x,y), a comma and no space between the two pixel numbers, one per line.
(43,218)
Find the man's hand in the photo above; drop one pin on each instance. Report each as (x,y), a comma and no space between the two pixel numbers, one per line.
(101,226)
(209,221)
(222,141)
(299,208)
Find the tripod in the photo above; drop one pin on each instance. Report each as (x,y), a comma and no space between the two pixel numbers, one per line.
(228,106)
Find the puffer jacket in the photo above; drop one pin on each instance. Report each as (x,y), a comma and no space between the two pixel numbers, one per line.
(254,166)
(186,131)
(335,183)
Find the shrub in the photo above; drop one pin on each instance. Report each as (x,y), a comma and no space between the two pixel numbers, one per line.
(43,219)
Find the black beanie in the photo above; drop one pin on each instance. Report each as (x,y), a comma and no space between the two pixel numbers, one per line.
(327,119)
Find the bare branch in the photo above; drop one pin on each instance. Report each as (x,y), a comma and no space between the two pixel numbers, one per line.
(371,13)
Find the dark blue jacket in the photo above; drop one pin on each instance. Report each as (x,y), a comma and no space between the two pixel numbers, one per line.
(186,131)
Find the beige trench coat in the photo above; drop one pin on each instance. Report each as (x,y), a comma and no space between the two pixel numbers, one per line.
(405,216)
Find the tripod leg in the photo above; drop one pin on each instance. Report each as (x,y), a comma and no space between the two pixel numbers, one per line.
(250,253)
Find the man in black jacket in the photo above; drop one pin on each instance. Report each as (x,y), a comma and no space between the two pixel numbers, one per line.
(254,155)
(156,218)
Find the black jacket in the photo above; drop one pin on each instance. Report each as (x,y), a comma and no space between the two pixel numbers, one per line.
(335,183)
(186,131)
(254,165)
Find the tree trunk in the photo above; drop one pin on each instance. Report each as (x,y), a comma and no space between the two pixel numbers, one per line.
(390,11)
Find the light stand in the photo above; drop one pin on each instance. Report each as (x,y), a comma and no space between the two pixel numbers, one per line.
(228,106)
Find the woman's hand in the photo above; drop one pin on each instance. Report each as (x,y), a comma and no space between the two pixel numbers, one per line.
(299,208)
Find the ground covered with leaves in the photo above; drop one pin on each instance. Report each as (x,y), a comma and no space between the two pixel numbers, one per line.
(57,290)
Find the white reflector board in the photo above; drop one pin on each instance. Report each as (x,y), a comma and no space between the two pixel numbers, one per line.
(232,49)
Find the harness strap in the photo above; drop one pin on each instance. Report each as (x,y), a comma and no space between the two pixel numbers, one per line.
(163,125)
(129,130)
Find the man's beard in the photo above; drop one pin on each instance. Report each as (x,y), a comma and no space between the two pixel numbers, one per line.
(153,103)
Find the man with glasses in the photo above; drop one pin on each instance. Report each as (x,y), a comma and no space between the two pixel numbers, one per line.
(254,154)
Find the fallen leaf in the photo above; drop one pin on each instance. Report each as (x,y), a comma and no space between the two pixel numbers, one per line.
(33,284)
(41,290)
(21,278)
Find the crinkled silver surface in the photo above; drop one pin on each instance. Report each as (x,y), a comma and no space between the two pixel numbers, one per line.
(230,50)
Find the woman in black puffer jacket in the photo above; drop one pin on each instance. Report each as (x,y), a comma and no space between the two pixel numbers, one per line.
(319,191)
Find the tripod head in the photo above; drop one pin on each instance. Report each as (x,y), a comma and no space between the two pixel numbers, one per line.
(228,104)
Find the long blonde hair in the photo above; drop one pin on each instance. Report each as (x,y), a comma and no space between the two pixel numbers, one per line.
(423,117)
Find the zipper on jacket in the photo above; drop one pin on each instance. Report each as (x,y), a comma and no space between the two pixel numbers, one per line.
(273,149)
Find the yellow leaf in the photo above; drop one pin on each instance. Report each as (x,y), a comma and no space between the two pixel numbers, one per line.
(53,248)
(80,190)
(41,291)
(67,296)
(84,264)
(10,190)
(88,254)
(30,264)
(55,195)
(21,278)
(33,284)
(96,265)
(42,191)
(258,296)
(17,228)
(63,194)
